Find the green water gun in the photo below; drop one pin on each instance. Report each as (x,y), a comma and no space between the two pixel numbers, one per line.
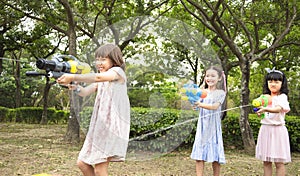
(264,100)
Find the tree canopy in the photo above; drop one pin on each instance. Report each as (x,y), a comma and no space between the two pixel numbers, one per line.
(161,41)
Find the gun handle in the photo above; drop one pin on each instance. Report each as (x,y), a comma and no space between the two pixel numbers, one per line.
(34,73)
(255,109)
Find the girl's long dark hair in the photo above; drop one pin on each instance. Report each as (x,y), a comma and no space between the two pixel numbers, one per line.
(276,76)
(221,85)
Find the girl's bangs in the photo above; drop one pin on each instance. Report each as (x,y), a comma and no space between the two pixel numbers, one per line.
(104,51)
(101,53)
(275,76)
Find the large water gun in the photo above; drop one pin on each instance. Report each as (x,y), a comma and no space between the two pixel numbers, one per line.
(193,92)
(59,65)
(264,100)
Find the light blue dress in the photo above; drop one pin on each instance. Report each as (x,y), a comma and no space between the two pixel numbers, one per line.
(208,144)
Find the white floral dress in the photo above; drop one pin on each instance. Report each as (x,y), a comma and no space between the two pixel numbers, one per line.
(109,128)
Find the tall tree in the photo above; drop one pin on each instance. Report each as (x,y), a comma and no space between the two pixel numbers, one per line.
(243,28)
(77,19)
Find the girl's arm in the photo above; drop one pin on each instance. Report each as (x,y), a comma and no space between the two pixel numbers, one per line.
(208,106)
(84,91)
(109,75)
(275,109)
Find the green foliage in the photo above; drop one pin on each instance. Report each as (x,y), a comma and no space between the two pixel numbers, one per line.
(85,118)
(293,126)
(57,116)
(161,130)
(231,131)
(3,113)
(28,114)
(32,115)
(151,88)
(263,23)
(161,127)
(7,87)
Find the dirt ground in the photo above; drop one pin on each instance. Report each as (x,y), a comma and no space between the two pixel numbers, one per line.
(28,149)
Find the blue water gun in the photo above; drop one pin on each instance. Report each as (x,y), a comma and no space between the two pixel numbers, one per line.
(193,92)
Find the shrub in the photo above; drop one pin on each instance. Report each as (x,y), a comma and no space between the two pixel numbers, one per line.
(85,117)
(60,117)
(32,115)
(159,128)
(293,126)
(28,114)
(3,113)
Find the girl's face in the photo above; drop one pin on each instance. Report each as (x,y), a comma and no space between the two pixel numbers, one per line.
(212,78)
(274,86)
(103,63)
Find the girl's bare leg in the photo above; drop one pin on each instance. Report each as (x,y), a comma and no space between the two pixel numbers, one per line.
(101,169)
(199,167)
(86,169)
(280,169)
(216,168)
(267,168)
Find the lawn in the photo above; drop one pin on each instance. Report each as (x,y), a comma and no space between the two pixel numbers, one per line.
(28,149)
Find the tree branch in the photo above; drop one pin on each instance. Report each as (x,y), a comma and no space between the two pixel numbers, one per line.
(278,38)
(36,18)
(203,19)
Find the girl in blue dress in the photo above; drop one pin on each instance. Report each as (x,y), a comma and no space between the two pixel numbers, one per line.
(208,144)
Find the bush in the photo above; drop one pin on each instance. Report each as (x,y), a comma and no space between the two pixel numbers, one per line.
(32,115)
(59,117)
(293,126)
(159,128)
(3,113)
(85,117)
(28,114)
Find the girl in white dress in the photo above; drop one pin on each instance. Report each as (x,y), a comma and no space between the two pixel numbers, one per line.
(108,135)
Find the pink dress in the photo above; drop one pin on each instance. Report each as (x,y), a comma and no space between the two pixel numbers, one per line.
(109,128)
(273,139)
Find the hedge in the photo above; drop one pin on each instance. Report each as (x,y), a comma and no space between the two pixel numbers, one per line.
(158,130)
(32,115)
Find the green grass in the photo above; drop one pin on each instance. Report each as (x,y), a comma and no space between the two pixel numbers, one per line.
(28,149)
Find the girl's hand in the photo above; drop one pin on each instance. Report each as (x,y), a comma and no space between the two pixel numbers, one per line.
(66,79)
(72,86)
(196,105)
(260,111)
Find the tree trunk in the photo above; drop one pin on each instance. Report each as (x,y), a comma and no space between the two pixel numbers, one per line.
(73,130)
(18,83)
(72,134)
(246,131)
(1,56)
(48,85)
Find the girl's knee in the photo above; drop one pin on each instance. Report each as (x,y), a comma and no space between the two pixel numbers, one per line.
(267,163)
(101,169)
(82,165)
(278,165)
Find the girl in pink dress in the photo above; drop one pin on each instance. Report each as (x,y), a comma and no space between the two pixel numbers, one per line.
(273,139)
(108,135)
